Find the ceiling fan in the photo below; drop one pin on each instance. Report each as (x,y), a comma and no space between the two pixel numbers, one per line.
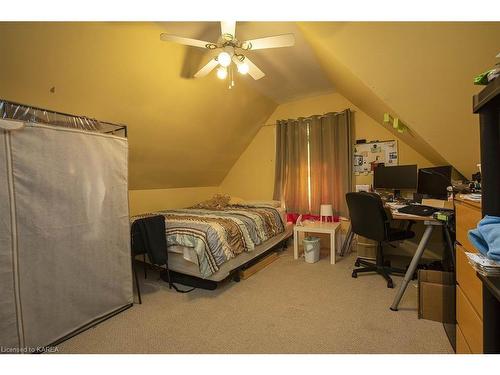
(232,51)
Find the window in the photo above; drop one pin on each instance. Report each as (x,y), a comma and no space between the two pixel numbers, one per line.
(313,162)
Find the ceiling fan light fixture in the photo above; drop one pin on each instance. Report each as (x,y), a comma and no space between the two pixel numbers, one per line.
(243,68)
(246,45)
(224,59)
(221,72)
(227,51)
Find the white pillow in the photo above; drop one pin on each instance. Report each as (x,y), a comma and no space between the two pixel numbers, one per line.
(270,203)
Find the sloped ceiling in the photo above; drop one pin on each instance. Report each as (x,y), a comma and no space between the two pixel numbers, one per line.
(291,73)
(420,72)
(182,132)
(189,132)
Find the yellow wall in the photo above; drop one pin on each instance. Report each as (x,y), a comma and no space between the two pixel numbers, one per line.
(252,176)
(182,132)
(421,72)
(185,132)
(142,201)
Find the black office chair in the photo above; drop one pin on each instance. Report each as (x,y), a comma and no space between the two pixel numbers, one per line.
(369,219)
(145,234)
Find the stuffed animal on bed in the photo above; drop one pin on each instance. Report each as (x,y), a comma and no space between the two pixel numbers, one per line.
(218,201)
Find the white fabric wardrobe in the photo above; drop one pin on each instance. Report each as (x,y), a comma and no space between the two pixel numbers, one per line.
(64,233)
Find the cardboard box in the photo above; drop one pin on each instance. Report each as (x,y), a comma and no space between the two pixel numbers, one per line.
(436,296)
(366,248)
(261,264)
(438,203)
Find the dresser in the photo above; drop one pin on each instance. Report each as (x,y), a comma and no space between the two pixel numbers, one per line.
(469,291)
(487,104)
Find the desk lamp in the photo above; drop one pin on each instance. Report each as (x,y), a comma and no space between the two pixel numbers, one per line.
(326,210)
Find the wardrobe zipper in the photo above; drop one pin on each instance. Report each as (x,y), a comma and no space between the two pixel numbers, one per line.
(15,250)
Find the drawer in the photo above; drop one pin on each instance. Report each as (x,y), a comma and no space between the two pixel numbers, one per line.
(470,323)
(462,346)
(467,218)
(469,282)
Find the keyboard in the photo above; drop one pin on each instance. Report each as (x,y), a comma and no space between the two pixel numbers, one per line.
(418,210)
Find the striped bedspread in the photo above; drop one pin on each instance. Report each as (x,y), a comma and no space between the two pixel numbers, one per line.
(220,235)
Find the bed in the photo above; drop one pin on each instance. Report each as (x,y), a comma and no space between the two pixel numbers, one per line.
(212,242)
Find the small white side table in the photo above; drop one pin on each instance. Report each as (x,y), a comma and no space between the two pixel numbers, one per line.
(316,227)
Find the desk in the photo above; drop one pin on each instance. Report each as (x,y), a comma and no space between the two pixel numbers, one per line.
(316,227)
(469,288)
(430,223)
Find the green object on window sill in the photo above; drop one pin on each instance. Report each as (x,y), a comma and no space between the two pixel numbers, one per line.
(482,79)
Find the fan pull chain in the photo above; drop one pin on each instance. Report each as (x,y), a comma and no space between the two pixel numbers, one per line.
(231,77)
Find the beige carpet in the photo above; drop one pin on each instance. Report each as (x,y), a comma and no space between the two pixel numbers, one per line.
(288,307)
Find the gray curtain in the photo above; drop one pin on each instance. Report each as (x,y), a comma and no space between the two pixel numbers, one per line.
(291,173)
(329,158)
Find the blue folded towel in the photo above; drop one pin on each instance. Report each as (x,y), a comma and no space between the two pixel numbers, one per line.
(486,237)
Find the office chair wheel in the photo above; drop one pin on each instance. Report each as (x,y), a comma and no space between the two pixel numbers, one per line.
(390,284)
(354,274)
(356,263)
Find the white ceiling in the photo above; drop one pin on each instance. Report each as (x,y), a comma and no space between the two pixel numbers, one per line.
(285,68)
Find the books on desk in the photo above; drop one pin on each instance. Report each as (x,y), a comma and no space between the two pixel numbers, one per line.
(474,197)
(484,265)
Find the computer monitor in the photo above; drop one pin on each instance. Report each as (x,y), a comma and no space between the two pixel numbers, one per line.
(433,182)
(396,177)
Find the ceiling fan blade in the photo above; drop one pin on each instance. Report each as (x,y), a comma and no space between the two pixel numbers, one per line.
(186,41)
(253,70)
(206,69)
(228,28)
(278,41)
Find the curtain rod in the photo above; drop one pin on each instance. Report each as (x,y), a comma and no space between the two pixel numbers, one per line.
(323,115)
(31,107)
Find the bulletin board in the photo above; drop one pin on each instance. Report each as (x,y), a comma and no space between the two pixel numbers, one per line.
(366,155)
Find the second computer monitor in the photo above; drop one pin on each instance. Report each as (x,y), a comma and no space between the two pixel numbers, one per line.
(397,177)
(433,182)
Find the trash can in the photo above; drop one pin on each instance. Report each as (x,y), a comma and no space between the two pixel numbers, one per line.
(311,249)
